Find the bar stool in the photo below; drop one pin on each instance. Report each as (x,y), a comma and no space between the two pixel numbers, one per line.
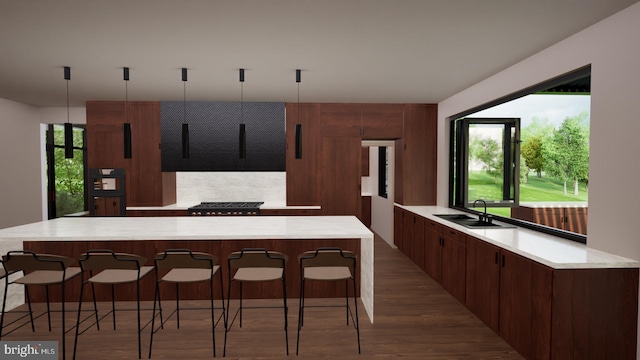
(113,269)
(256,265)
(4,275)
(42,270)
(328,264)
(185,266)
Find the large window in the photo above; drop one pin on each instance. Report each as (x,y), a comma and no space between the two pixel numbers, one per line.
(527,156)
(66,177)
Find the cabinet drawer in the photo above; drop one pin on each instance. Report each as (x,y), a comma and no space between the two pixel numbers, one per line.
(451,234)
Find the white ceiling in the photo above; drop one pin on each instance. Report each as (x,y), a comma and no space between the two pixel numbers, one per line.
(415,51)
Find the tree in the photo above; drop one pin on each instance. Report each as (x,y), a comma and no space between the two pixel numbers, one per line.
(567,154)
(531,151)
(487,151)
(538,128)
(69,176)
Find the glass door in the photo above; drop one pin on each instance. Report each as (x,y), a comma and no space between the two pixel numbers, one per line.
(66,178)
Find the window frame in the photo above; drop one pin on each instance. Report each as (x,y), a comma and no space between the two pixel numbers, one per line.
(544,85)
(510,155)
(50,147)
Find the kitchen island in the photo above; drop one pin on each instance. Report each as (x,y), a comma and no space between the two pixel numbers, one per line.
(218,235)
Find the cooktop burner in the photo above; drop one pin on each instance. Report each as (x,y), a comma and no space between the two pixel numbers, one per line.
(225,208)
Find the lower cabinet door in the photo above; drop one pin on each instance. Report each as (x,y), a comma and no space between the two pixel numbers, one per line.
(525,305)
(483,281)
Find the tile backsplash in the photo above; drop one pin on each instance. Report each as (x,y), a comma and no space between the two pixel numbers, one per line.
(195,187)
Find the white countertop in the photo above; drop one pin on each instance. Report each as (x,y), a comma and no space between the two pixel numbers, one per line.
(189,228)
(203,228)
(552,251)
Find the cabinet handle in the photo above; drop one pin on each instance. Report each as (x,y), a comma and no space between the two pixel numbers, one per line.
(496,259)
(414,219)
(502,260)
(442,242)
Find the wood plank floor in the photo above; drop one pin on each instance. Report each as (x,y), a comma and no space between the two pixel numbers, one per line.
(414,319)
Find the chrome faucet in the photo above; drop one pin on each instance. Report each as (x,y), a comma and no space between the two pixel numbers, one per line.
(483,216)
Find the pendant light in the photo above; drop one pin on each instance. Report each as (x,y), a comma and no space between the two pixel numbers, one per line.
(68,127)
(127,124)
(242,141)
(185,126)
(298,140)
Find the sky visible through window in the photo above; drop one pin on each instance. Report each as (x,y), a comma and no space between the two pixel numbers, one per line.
(555,108)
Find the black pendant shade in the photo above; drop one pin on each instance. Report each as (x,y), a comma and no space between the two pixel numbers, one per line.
(185,141)
(68,127)
(68,140)
(242,134)
(185,126)
(243,142)
(127,140)
(298,141)
(126,130)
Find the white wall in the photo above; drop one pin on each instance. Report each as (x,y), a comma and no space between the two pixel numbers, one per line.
(21,159)
(20,200)
(611,47)
(382,208)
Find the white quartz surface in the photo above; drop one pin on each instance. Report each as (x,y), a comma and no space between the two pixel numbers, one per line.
(189,228)
(555,252)
(203,228)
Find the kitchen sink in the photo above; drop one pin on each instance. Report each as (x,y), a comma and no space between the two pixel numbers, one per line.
(473,222)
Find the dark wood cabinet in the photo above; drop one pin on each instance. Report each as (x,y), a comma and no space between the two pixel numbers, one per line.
(368,121)
(398,222)
(365,215)
(289,212)
(525,305)
(408,238)
(445,257)
(547,313)
(303,177)
(382,121)
(512,295)
(105,134)
(146,184)
(340,119)
(409,235)
(157,213)
(417,250)
(340,175)
(454,250)
(594,314)
(541,312)
(365,161)
(433,250)
(414,125)
(416,156)
(106,206)
(483,281)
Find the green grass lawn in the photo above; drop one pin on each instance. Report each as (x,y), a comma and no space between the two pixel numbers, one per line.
(544,189)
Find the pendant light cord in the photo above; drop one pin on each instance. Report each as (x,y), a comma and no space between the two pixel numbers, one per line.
(184,103)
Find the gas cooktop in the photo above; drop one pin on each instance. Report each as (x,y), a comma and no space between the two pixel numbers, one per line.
(225,208)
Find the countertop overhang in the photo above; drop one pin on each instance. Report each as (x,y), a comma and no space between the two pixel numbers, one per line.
(189,228)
